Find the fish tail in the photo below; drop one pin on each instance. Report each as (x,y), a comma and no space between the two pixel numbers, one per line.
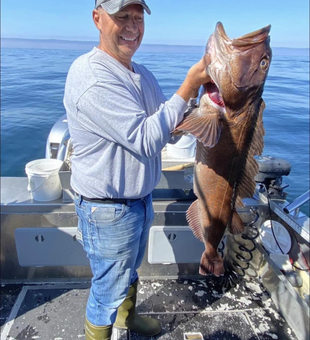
(212,265)
(237,226)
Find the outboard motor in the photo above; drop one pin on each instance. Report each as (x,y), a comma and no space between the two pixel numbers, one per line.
(58,139)
(270,174)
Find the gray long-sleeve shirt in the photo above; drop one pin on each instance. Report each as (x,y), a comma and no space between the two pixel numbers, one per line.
(119,122)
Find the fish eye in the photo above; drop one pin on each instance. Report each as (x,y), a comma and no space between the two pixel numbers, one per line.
(264,63)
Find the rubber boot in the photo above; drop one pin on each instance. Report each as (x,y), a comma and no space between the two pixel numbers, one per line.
(129,319)
(93,332)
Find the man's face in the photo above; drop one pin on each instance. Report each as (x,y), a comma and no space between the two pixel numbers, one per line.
(120,34)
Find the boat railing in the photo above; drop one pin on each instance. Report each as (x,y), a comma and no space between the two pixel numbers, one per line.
(297,203)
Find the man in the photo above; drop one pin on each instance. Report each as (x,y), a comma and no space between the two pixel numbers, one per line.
(119,121)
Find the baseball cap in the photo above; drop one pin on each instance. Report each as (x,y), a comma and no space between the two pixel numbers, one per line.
(113,6)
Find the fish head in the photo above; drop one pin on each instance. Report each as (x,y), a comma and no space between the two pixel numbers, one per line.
(238,69)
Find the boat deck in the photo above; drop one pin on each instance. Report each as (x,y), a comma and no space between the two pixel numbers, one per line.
(185,308)
(51,306)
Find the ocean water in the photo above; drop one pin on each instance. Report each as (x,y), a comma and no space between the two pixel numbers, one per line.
(32,87)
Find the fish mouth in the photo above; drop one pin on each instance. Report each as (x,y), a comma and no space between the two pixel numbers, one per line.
(213,96)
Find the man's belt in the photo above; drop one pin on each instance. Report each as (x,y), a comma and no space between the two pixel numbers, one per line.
(110,200)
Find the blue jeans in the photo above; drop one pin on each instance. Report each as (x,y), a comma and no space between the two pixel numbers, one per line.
(114,237)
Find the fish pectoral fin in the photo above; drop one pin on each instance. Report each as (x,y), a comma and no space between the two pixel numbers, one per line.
(206,127)
(192,217)
(237,226)
(178,133)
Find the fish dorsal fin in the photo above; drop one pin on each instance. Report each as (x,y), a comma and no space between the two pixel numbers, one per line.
(206,127)
(192,217)
(247,183)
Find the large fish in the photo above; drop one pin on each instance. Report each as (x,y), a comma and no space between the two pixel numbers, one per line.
(229,130)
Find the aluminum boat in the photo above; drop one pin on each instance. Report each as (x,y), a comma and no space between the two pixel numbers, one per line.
(45,274)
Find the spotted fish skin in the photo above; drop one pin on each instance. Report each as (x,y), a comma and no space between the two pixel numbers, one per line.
(228,126)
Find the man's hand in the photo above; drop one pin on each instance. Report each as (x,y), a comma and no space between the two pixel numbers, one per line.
(196,76)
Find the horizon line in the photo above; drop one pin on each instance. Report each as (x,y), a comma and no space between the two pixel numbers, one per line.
(96,42)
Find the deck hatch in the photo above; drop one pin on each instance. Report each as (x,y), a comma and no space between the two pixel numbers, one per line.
(168,244)
(41,247)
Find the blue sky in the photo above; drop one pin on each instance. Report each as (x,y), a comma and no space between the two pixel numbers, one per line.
(175,22)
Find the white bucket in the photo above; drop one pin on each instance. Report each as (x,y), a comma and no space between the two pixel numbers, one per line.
(184,148)
(43,179)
